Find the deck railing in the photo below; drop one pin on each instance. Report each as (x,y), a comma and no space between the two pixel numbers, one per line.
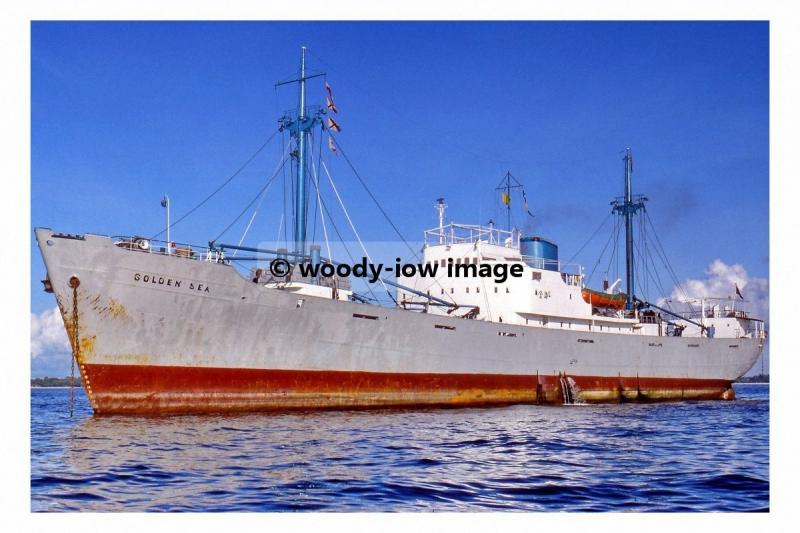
(468,233)
(718,313)
(175,249)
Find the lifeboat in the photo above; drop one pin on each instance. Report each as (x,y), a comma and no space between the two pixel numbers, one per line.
(603,299)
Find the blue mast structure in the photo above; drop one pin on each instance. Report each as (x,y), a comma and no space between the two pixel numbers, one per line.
(627,206)
(300,125)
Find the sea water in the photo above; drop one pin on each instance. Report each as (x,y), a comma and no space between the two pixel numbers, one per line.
(684,456)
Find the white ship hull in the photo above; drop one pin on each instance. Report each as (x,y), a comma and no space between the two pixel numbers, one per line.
(164,334)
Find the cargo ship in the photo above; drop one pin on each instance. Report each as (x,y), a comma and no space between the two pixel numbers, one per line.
(160,328)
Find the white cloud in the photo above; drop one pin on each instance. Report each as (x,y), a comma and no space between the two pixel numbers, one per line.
(48,334)
(720,281)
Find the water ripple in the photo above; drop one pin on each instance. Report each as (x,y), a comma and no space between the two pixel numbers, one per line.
(689,456)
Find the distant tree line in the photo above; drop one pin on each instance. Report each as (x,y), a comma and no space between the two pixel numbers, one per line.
(55,382)
(760,378)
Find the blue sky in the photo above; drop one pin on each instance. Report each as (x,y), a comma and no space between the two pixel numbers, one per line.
(124,112)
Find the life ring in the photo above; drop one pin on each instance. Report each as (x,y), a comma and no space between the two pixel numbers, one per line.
(143,244)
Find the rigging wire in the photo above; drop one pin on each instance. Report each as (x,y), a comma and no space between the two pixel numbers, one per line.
(678,286)
(285,210)
(640,267)
(322,218)
(369,192)
(323,210)
(600,258)
(615,239)
(646,249)
(352,226)
(383,212)
(319,201)
(648,275)
(344,245)
(249,205)
(226,182)
(280,226)
(315,171)
(603,223)
(652,275)
(616,249)
(659,283)
(645,263)
(668,266)
(640,264)
(292,182)
(255,212)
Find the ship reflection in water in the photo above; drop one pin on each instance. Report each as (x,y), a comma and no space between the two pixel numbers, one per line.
(686,456)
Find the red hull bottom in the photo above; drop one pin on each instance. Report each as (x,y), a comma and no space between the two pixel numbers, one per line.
(117,389)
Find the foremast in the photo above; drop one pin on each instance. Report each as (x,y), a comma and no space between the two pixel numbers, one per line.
(300,125)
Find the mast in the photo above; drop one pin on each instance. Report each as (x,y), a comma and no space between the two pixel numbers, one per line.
(507,200)
(300,192)
(505,186)
(300,125)
(627,207)
(629,282)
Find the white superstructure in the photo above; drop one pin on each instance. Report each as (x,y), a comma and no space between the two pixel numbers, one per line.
(548,294)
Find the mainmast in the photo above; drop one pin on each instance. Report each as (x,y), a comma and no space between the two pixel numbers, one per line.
(299,125)
(627,207)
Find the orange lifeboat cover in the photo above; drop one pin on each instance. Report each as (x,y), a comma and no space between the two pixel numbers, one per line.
(603,299)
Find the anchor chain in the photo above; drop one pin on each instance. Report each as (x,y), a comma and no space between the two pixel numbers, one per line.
(74,282)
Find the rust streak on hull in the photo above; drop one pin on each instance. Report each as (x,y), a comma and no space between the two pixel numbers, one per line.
(149,389)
